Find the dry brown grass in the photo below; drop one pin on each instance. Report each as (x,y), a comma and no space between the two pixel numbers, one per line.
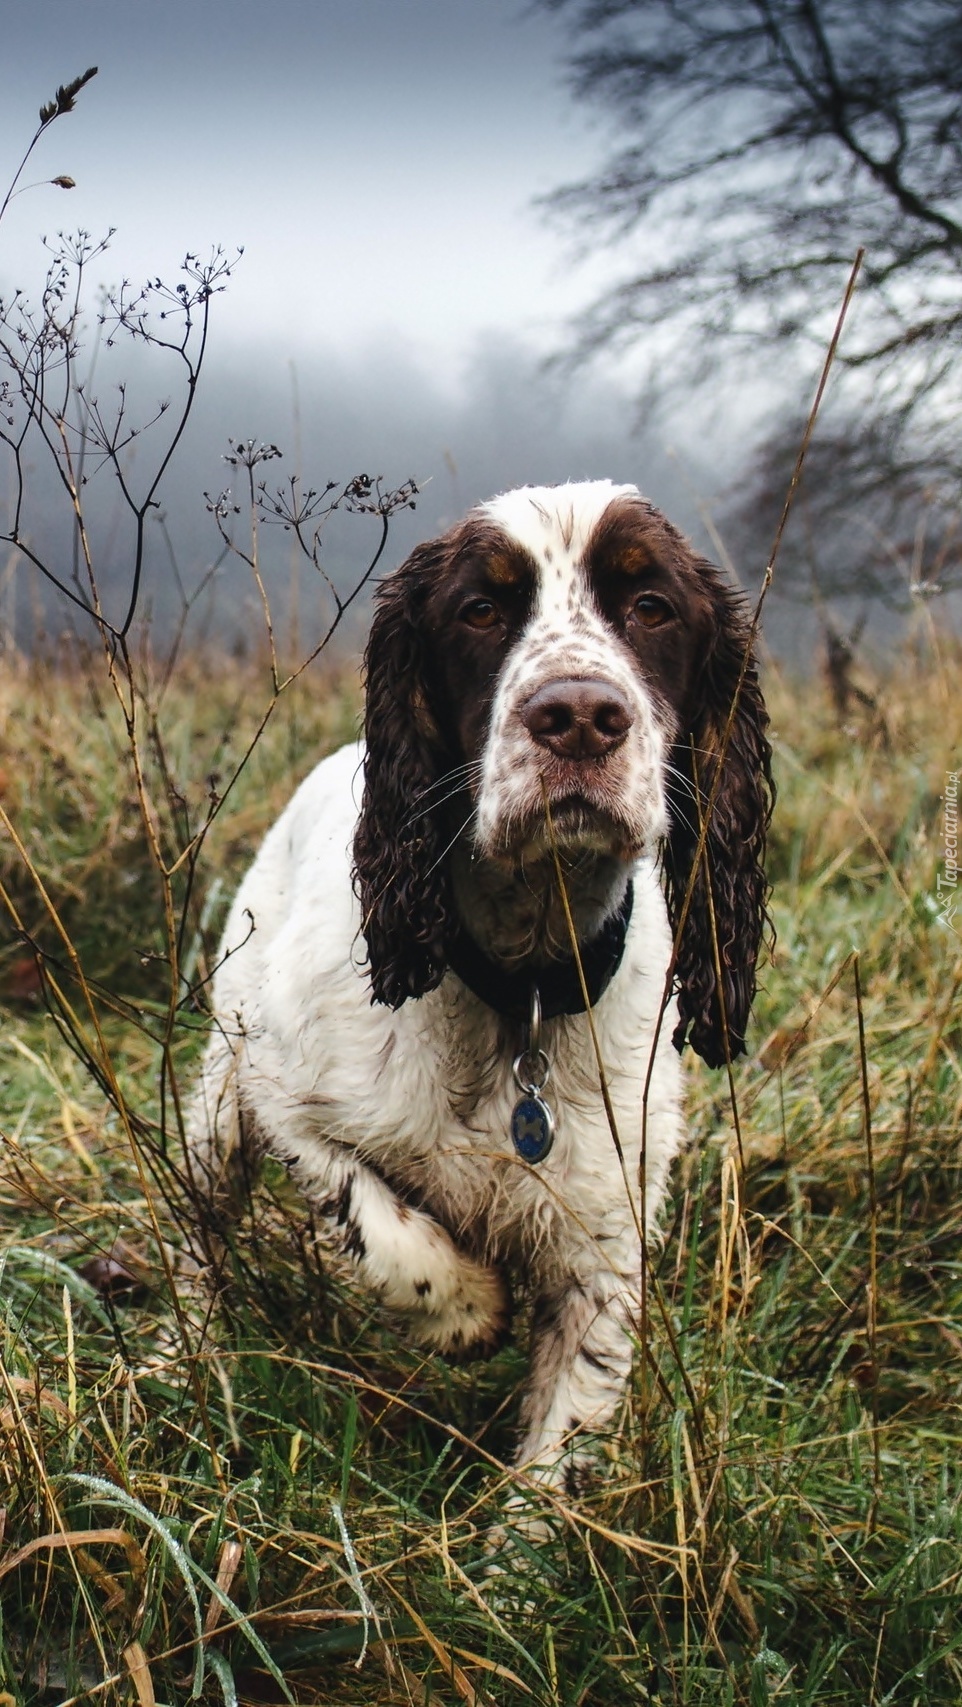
(793,1537)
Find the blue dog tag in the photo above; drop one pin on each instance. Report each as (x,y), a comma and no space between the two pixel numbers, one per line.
(532,1128)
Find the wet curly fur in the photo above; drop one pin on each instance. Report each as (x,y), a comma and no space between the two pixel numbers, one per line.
(401,877)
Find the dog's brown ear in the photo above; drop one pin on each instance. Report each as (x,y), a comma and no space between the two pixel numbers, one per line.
(399,873)
(723,927)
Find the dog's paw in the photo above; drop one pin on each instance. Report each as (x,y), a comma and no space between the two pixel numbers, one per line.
(474,1321)
(529,1521)
(521,1557)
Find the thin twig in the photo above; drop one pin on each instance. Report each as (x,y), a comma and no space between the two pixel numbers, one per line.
(871,1290)
(613,1128)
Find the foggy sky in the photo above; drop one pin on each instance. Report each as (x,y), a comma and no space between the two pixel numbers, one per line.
(376,161)
(378,164)
(382,414)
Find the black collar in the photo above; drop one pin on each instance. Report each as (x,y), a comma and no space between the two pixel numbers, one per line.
(509,993)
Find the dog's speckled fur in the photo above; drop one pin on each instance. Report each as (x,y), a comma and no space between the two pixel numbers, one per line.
(394,1114)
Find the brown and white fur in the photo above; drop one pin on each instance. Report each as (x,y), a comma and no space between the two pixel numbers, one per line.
(561,643)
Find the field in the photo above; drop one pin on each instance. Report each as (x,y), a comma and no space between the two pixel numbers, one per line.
(292,1506)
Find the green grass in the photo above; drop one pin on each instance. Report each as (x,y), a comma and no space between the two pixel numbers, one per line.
(792,1536)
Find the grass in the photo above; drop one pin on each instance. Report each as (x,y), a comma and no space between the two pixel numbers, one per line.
(296,1509)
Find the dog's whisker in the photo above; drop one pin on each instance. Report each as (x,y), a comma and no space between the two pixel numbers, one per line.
(454,781)
(686,782)
(455,838)
(435,806)
(460,773)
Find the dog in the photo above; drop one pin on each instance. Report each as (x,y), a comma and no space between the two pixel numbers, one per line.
(564,733)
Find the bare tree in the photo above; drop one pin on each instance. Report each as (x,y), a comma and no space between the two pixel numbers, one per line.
(758,144)
(876,514)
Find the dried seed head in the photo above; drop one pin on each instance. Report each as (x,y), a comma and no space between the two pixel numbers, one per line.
(63,101)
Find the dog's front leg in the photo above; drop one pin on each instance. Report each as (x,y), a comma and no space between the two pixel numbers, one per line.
(580,1363)
(453,1303)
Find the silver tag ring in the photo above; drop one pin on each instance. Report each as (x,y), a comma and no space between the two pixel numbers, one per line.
(534,1028)
(532,1071)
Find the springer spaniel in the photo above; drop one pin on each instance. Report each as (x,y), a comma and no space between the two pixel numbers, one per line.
(549,686)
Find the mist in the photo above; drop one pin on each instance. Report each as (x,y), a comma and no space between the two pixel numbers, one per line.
(503,420)
(499,419)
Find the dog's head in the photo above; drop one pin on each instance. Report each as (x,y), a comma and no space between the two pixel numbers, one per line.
(564,643)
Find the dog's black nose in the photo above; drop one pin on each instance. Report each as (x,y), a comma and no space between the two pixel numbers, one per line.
(577,719)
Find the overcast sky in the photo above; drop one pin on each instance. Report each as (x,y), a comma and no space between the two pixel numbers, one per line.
(376,159)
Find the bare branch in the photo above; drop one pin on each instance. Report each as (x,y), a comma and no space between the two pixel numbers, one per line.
(756,145)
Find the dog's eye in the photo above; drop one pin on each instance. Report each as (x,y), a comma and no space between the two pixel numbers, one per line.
(651,610)
(481,613)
